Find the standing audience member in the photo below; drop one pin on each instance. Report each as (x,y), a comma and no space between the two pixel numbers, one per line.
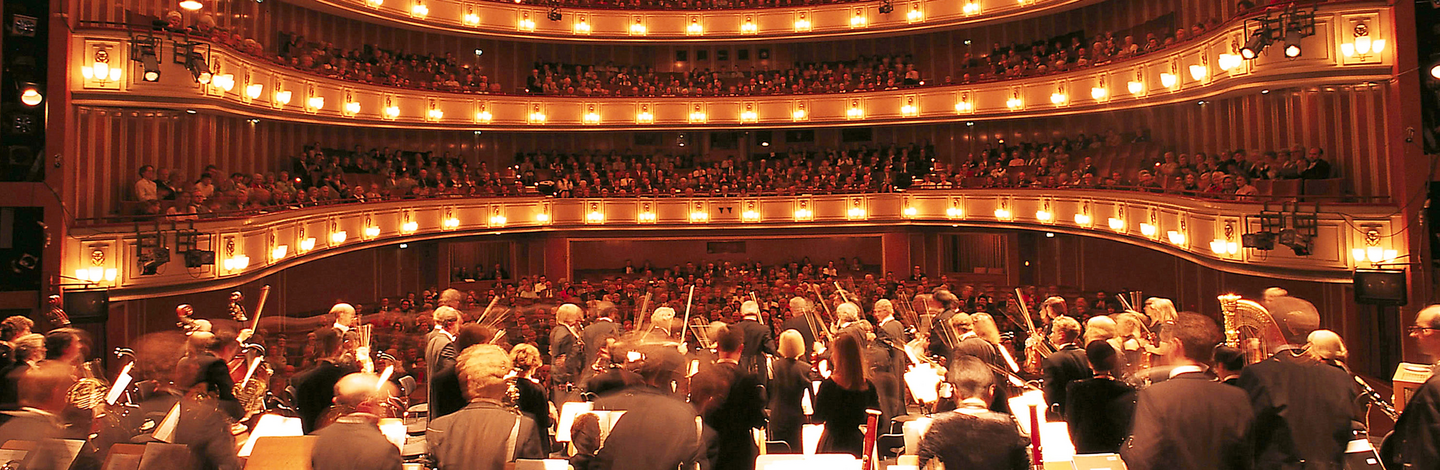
(354,441)
(972,436)
(843,398)
(1099,409)
(1190,421)
(485,435)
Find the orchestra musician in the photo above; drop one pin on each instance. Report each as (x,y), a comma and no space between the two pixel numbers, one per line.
(843,398)
(800,320)
(758,340)
(567,354)
(440,350)
(972,436)
(729,399)
(1067,364)
(658,431)
(787,389)
(204,369)
(1303,407)
(597,337)
(485,435)
(1098,410)
(890,334)
(1415,442)
(315,388)
(660,325)
(449,394)
(530,397)
(42,399)
(940,343)
(29,351)
(1189,422)
(354,441)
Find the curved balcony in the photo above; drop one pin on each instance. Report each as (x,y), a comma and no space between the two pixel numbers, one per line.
(1205,232)
(1201,69)
(852,18)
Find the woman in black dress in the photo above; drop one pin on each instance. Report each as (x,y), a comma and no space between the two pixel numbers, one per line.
(843,399)
(530,396)
(788,387)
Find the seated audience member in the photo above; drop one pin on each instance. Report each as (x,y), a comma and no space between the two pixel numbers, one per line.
(485,435)
(1099,409)
(954,437)
(354,441)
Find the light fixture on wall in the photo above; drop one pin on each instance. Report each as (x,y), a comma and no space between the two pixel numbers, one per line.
(1363,43)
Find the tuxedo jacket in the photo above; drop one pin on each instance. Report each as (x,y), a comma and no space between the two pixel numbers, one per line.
(758,339)
(1064,366)
(1190,422)
(1304,412)
(1415,442)
(353,445)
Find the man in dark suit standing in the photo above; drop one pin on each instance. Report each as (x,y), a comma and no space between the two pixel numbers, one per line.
(800,319)
(758,340)
(1304,408)
(566,354)
(891,335)
(355,441)
(1415,443)
(315,388)
(597,337)
(439,346)
(972,436)
(203,367)
(730,401)
(1190,421)
(658,431)
(1066,365)
(1098,410)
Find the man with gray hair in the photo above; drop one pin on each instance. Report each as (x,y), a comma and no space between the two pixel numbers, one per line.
(800,320)
(758,340)
(439,345)
(661,325)
(451,298)
(344,316)
(485,435)
(354,441)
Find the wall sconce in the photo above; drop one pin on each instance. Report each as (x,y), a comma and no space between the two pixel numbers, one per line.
(644,116)
(1082,220)
(1117,225)
(435,113)
(1003,212)
(409,227)
(482,116)
(450,223)
(748,114)
(802,24)
(371,232)
(856,210)
(352,108)
(750,215)
(1229,61)
(1168,80)
(803,214)
(855,111)
(307,244)
(591,117)
(915,15)
(315,103)
(1014,103)
(748,26)
(638,27)
(282,98)
(392,111)
(694,28)
(910,212)
(699,216)
(1148,230)
(1373,252)
(99,68)
(542,218)
(374,3)
(537,116)
(1136,87)
(955,211)
(470,18)
(225,82)
(337,237)
(799,113)
(1363,44)
(1059,97)
(971,9)
(1177,238)
(909,109)
(697,114)
(1044,215)
(278,253)
(528,25)
(595,217)
(419,10)
(254,90)
(1099,93)
(858,20)
(498,220)
(964,107)
(1199,71)
(646,217)
(1222,247)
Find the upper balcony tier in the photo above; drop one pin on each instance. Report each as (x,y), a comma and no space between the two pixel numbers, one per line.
(1200,69)
(837,18)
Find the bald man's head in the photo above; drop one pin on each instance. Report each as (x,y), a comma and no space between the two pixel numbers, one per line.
(360,391)
(344,313)
(1325,345)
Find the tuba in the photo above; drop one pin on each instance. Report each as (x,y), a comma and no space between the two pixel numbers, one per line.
(1251,328)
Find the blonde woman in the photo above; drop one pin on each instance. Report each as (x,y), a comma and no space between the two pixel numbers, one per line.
(788,387)
(1160,310)
(531,397)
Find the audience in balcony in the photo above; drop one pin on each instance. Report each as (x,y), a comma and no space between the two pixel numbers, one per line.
(867,73)
(377,66)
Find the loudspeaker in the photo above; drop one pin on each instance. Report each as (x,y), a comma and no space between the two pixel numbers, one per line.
(88,306)
(1381,287)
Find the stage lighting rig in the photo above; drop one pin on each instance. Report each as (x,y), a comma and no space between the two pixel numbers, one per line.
(1289,27)
(1271,223)
(195,57)
(145,49)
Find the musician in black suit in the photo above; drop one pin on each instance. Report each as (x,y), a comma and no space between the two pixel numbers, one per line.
(440,351)
(1415,442)
(204,368)
(1098,410)
(800,321)
(315,388)
(758,340)
(597,336)
(972,436)
(787,390)
(1190,421)
(485,435)
(890,335)
(658,430)
(354,441)
(940,336)
(1304,408)
(42,397)
(730,401)
(1067,364)
(567,355)
(448,393)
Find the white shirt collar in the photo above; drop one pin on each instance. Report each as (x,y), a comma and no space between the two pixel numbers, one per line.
(1185,370)
(343,328)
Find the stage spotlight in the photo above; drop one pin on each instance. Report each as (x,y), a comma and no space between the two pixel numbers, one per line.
(1259,240)
(554,14)
(1256,44)
(146,50)
(1292,43)
(1297,242)
(194,60)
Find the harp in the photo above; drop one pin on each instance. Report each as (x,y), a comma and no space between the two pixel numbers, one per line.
(1251,328)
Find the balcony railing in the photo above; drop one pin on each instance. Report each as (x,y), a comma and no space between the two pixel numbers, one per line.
(1205,232)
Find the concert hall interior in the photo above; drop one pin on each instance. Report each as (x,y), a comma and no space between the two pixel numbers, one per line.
(719,234)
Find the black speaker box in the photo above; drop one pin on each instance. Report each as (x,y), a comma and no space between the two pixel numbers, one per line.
(87,306)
